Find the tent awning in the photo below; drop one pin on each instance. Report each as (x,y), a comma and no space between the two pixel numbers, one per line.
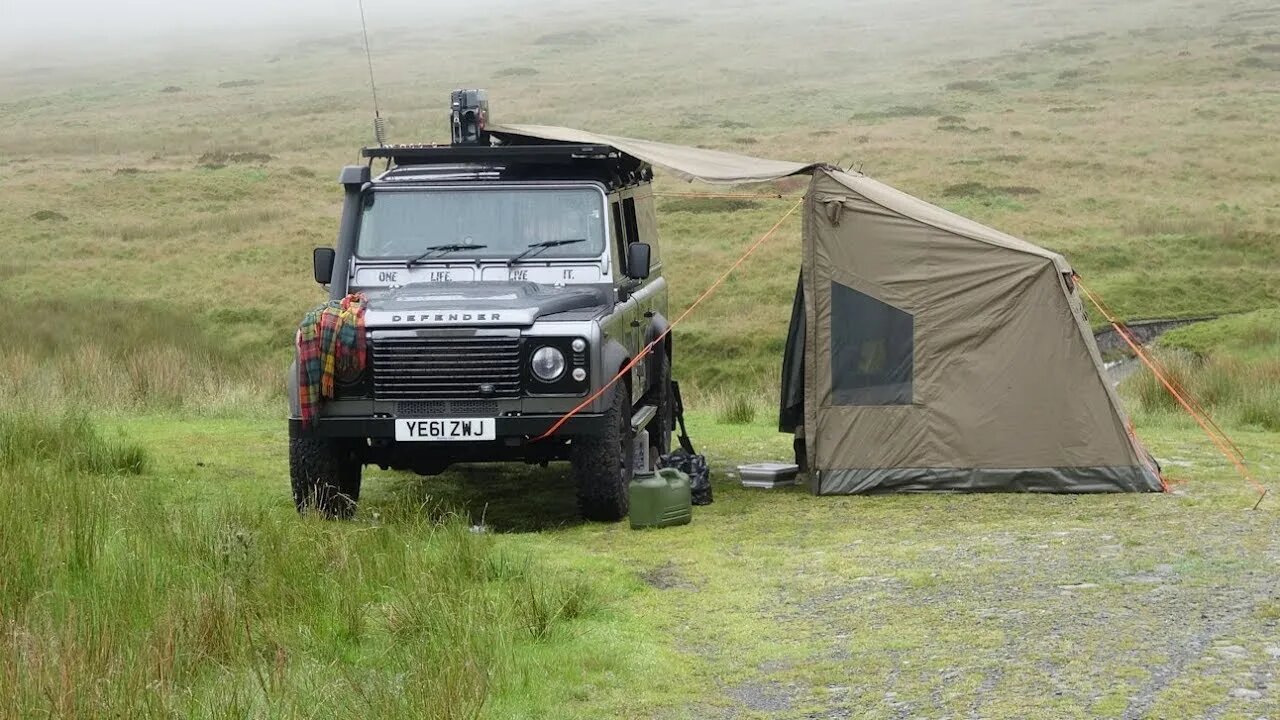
(687,163)
(723,168)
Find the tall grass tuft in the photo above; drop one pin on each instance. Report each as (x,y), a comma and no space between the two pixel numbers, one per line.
(735,410)
(543,606)
(1261,409)
(1151,392)
(143,358)
(1233,390)
(69,441)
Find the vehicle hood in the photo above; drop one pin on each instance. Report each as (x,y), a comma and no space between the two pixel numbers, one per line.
(475,303)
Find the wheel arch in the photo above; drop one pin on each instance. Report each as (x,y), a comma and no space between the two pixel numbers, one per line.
(615,359)
(291,388)
(658,325)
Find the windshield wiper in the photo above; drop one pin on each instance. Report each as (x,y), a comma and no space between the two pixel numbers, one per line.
(443,250)
(538,247)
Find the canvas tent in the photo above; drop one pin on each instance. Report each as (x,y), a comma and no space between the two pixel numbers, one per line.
(926,351)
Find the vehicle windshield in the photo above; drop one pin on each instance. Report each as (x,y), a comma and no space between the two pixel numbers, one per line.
(501,223)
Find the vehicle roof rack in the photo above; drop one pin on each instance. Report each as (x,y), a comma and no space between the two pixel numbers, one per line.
(561,161)
(492,154)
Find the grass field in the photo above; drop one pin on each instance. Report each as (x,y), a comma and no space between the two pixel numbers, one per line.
(160,207)
(187,587)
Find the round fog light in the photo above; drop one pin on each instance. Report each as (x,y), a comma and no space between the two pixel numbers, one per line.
(547,364)
(579,345)
(579,374)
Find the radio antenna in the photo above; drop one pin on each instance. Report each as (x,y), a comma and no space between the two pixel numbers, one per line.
(379,125)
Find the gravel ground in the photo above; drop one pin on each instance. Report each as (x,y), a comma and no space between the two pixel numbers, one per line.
(975,606)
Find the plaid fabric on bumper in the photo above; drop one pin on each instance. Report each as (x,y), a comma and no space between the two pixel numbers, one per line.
(330,339)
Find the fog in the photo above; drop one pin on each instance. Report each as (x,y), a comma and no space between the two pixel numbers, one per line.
(92,34)
(31,24)
(86,20)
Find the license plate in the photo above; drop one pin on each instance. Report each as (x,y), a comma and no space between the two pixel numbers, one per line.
(446,429)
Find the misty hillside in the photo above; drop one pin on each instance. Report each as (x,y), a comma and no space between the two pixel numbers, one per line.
(663,70)
(651,68)
(1136,138)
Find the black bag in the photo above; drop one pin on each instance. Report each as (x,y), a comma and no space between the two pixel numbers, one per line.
(685,459)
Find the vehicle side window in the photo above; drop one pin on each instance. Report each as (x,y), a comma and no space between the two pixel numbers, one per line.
(649,229)
(629,214)
(621,235)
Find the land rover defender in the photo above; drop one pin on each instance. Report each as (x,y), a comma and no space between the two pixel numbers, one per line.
(506,281)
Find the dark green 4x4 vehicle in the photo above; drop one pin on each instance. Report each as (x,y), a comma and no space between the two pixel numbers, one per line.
(506,283)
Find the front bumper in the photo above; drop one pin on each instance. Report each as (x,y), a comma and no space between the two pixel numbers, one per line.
(508,429)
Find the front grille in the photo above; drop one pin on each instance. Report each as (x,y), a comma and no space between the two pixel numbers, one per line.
(447,408)
(445,367)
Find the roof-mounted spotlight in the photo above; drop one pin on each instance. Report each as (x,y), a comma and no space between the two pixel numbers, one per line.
(470,117)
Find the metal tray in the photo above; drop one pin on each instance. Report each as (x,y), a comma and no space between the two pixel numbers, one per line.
(768,474)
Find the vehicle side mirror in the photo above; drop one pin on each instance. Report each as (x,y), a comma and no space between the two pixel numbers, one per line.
(322,259)
(638,261)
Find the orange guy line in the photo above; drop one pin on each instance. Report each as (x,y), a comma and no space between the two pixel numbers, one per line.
(644,352)
(1186,405)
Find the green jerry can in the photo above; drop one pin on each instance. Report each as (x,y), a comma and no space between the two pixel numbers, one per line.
(660,499)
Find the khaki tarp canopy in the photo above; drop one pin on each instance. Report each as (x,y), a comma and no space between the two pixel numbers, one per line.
(687,163)
(926,351)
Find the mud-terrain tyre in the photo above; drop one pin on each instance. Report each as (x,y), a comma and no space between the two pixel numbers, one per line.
(603,464)
(325,474)
(660,427)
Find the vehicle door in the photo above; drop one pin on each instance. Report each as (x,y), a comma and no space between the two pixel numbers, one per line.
(631,309)
(652,294)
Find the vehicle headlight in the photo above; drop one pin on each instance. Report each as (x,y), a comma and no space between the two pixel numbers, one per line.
(548,364)
(348,371)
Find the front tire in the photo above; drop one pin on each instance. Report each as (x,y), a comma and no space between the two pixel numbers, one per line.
(325,474)
(603,465)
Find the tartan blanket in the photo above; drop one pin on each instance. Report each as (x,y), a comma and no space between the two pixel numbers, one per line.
(330,340)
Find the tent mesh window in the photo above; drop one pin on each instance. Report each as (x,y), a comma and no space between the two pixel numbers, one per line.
(872,344)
